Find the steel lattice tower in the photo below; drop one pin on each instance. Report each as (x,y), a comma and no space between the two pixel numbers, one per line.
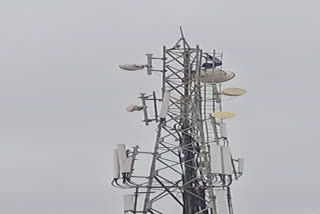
(191,163)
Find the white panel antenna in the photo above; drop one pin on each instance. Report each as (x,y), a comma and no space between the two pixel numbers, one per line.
(116,165)
(165,104)
(220,160)
(215,159)
(127,168)
(121,148)
(128,203)
(227,168)
(222,203)
(240,165)
(124,161)
(149,64)
(223,129)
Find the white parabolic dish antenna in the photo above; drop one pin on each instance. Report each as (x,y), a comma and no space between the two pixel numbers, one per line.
(216,75)
(131,67)
(233,91)
(223,115)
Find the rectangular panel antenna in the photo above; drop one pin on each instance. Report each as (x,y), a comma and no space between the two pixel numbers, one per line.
(165,104)
(116,165)
(128,203)
(221,201)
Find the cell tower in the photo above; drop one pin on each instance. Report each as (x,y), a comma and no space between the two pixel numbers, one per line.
(191,164)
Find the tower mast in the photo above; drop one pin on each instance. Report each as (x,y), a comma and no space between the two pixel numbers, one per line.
(191,163)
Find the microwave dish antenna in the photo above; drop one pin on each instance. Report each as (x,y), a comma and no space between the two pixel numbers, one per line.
(233,91)
(223,115)
(132,108)
(131,67)
(215,76)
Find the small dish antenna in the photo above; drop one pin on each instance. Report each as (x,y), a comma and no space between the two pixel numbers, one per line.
(223,115)
(131,67)
(233,91)
(132,108)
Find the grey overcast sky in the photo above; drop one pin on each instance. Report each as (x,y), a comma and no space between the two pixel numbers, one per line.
(63,98)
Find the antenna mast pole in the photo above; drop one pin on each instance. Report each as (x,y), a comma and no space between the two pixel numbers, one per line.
(192,204)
